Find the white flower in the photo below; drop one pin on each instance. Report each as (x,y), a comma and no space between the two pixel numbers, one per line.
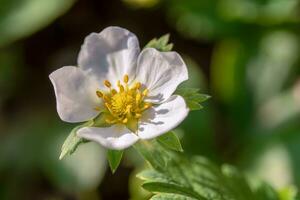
(128,89)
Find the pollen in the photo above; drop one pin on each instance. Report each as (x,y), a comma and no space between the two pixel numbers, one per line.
(124,104)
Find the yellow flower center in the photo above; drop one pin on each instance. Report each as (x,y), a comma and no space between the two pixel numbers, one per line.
(125,104)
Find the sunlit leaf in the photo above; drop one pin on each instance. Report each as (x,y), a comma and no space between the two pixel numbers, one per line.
(171,141)
(150,151)
(72,141)
(197,178)
(161,44)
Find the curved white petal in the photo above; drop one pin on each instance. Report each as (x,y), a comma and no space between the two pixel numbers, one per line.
(75,94)
(161,73)
(162,118)
(110,54)
(116,137)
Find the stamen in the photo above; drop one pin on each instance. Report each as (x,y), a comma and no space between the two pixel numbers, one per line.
(106,98)
(113,91)
(128,108)
(121,87)
(125,121)
(108,107)
(137,115)
(145,92)
(123,104)
(125,78)
(146,106)
(107,83)
(138,98)
(99,94)
(137,85)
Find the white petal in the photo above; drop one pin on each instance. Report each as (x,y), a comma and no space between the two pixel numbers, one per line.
(75,94)
(162,118)
(161,73)
(110,54)
(116,137)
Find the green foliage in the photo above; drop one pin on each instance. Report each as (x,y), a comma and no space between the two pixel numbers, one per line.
(151,152)
(171,141)
(22,18)
(288,193)
(114,158)
(161,44)
(222,19)
(72,141)
(197,178)
(192,97)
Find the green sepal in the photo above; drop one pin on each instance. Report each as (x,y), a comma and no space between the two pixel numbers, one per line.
(114,158)
(170,141)
(192,97)
(72,141)
(161,44)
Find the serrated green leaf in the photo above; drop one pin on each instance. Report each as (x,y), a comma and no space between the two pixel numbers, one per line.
(73,141)
(171,188)
(198,178)
(171,197)
(194,105)
(114,159)
(170,141)
(192,97)
(161,43)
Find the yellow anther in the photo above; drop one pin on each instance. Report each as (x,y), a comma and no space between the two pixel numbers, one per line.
(128,108)
(123,104)
(137,115)
(138,97)
(125,120)
(137,85)
(99,94)
(121,87)
(125,78)
(105,98)
(145,92)
(113,91)
(146,106)
(107,83)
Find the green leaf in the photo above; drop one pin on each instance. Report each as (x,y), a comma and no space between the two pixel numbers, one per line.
(150,151)
(171,197)
(114,159)
(22,18)
(288,193)
(197,178)
(72,141)
(161,43)
(171,141)
(192,97)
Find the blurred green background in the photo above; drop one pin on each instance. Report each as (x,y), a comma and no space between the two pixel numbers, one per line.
(244,53)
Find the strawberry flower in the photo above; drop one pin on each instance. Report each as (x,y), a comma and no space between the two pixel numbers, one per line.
(126,90)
